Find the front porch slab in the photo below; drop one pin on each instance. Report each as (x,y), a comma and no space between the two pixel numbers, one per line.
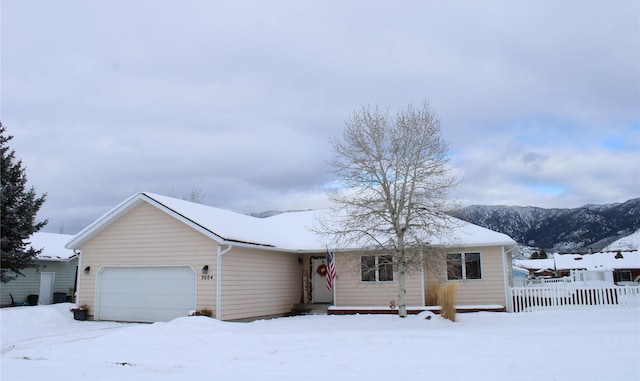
(412,310)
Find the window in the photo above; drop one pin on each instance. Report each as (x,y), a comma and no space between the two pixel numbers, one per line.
(463,266)
(376,268)
(621,275)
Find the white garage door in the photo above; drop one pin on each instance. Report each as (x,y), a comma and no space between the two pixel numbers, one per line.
(145,294)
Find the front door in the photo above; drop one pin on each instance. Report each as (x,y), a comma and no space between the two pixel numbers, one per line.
(319,283)
(46,288)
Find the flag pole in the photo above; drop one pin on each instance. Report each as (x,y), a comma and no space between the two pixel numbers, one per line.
(335,278)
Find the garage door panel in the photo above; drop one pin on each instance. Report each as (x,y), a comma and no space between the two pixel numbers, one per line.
(137,314)
(175,300)
(164,286)
(146,294)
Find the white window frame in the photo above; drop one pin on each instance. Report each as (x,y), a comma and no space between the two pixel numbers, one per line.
(464,266)
(377,265)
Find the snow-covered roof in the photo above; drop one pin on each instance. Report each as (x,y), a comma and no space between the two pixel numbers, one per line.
(535,264)
(609,260)
(598,261)
(53,246)
(290,231)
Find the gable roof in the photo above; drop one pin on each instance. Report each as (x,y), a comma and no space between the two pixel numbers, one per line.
(290,231)
(52,245)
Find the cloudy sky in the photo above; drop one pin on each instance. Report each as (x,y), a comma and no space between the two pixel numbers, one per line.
(539,100)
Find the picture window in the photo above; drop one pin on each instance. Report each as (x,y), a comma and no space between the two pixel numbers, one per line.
(376,268)
(462,266)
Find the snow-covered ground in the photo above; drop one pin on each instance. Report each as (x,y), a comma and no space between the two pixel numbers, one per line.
(44,342)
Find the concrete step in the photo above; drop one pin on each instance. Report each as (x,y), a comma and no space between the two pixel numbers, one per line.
(310,309)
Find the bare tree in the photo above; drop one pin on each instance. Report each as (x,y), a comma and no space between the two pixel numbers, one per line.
(196,195)
(394,175)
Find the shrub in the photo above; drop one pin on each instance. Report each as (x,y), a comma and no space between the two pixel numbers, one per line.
(204,312)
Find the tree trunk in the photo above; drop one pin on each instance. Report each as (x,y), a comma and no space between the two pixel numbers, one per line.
(402,304)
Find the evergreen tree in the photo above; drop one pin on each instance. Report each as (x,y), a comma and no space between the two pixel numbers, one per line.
(19,208)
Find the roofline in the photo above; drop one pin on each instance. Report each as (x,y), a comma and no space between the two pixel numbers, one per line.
(103,221)
(348,250)
(124,207)
(135,200)
(218,238)
(183,218)
(58,259)
(481,244)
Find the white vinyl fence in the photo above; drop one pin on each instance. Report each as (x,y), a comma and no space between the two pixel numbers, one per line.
(571,296)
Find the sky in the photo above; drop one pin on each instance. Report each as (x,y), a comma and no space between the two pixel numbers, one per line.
(538,100)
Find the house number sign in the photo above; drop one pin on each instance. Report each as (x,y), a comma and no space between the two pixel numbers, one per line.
(206,277)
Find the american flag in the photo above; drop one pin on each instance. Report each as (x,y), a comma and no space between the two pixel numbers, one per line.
(331,270)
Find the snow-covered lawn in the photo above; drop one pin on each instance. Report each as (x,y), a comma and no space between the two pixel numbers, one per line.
(44,342)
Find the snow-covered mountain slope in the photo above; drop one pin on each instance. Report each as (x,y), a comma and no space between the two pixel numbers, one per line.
(630,242)
(593,226)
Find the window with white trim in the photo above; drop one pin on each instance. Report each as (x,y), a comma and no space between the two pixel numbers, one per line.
(376,268)
(464,266)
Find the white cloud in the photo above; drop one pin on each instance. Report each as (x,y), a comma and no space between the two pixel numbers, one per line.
(240,99)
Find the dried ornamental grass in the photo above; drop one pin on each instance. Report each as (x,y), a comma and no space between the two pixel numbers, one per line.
(447,301)
(432,294)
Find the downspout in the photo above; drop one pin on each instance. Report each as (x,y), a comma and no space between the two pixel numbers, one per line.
(219,280)
(424,300)
(505,276)
(76,292)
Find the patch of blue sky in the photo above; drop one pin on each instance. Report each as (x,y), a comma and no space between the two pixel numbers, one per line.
(625,140)
(544,131)
(616,143)
(547,189)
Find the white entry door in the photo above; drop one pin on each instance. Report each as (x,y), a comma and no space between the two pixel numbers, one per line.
(319,285)
(46,288)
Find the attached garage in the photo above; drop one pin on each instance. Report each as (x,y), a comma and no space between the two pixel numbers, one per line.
(145,294)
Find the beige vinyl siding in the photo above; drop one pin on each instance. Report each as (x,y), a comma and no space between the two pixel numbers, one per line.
(259,283)
(147,236)
(22,286)
(351,291)
(489,289)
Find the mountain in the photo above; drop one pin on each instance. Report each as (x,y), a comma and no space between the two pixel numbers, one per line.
(559,230)
(589,226)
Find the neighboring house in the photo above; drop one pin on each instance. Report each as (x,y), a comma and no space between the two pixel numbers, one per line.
(623,265)
(53,278)
(155,258)
(519,273)
(537,267)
